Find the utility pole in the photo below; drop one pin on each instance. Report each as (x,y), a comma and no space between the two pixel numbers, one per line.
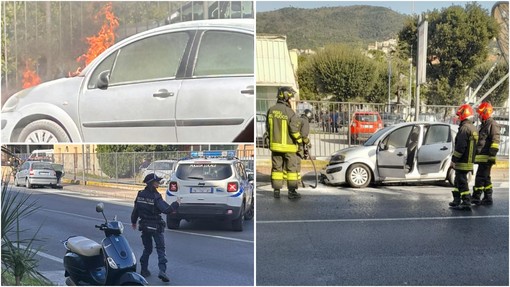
(421,63)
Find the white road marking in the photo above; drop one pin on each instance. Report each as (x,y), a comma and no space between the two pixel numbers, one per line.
(378,219)
(213,236)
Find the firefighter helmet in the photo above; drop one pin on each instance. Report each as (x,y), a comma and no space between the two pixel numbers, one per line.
(465,112)
(308,114)
(285,93)
(485,110)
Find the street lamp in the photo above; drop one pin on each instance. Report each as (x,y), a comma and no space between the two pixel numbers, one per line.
(390,53)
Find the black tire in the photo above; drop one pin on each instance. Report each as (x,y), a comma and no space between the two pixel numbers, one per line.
(250,213)
(358,175)
(238,223)
(43,131)
(173,223)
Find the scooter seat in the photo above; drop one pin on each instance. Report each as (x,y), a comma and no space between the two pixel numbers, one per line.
(83,246)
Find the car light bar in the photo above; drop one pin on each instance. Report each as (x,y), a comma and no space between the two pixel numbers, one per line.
(213,154)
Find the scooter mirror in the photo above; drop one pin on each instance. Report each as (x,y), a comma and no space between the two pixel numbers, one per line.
(100,207)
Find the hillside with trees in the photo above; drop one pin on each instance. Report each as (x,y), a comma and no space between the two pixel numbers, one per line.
(313,28)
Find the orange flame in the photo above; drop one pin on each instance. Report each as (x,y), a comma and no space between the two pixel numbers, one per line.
(104,38)
(30,77)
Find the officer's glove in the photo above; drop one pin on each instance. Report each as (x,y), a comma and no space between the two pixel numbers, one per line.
(306,140)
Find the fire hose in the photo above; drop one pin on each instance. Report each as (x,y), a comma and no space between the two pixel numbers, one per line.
(308,156)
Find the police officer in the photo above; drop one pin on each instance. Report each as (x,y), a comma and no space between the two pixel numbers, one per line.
(148,206)
(304,129)
(463,157)
(283,125)
(486,150)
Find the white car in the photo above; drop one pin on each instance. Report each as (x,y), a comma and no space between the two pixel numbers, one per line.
(183,82)
(212,188)
(413,151)
(162,168)
(36,173)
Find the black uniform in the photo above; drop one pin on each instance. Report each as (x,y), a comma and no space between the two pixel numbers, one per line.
(305,131)
(487,149)
(464,157)
(148,207)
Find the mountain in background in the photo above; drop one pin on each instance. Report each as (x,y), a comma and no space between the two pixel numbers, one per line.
(313,28)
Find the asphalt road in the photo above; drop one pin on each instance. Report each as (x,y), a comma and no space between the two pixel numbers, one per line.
(199,253)
(390,235)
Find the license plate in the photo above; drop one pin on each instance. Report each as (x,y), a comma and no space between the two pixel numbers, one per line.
(367,126)
(44,173)
(201,190)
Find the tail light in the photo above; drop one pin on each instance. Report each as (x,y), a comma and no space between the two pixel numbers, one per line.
(31,172)
(172,186)
(232,186)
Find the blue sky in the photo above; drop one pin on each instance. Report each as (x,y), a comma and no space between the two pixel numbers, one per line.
(403,7)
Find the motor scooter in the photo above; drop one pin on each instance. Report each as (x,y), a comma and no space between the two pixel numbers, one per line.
(110,263)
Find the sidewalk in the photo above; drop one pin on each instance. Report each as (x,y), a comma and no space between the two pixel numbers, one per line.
(114,190)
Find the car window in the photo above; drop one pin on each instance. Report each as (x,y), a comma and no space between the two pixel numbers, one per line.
(105,65)
(398,138)
(25,165)
(437,134)
(224,53)
(42,165)
(163,166)
(204,171)
(152,58)
(365,117)
(261,118)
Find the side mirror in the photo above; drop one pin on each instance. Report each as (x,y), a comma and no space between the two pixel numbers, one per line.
(103,80)
(100,207)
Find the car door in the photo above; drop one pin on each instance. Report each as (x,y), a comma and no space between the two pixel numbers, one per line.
(392,153)
(216,101)
(436,149)
(139,103)
(23,173)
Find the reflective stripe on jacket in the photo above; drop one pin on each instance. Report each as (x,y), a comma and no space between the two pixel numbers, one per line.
(465,146)
(488,141)
(283,127)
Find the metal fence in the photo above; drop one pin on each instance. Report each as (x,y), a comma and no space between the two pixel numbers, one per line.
(122,167)
(330,132)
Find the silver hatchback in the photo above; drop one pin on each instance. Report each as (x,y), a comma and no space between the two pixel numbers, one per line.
(184,82)
(413,151)
(32,173)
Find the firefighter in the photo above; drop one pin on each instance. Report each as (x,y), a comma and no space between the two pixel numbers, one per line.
(304,129)
(486,150)
(463,157)
(148,207)
(282,125)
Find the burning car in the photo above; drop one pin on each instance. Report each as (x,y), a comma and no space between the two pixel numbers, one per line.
(183,82)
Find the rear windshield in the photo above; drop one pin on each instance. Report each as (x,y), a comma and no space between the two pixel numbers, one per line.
(42,165)
(204,171)
(366,117)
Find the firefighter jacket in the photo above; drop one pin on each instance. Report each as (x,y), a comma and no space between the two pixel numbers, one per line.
(283,126)
(148,206)
(304,128)
(465,146)
(488,141)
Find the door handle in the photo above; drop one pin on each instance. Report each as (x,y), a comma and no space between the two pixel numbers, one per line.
(444,148)
(249,90)
(163,93)
(400,154)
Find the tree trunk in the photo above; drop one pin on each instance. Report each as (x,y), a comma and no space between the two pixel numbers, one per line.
(48,38)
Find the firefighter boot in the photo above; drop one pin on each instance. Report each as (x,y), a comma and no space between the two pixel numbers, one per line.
(477,192)
(276,193)
(456,199)
(293,194)
(487,197)
(466,203)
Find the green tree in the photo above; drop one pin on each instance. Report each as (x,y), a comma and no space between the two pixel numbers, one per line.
(458,38)
(500,94)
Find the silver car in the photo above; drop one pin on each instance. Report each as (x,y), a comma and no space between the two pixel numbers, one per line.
(184,82)
(32,173)
(162,168)
(413,151)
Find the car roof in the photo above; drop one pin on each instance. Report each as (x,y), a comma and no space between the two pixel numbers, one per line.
(213,160)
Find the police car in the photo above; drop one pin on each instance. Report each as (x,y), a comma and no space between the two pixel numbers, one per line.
(212,184)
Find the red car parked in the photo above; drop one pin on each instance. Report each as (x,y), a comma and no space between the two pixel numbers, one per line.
(364,124)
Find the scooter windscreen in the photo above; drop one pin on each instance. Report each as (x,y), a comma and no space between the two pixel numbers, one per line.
(118,253)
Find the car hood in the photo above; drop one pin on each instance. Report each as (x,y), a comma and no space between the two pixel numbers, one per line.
(355,152)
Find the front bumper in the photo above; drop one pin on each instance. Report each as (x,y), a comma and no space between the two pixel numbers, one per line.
(334,174)
(205,210)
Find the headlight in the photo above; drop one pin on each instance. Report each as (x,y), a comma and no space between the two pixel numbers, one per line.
(338,158)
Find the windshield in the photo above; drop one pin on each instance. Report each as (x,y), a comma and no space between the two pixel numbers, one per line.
(371,140)
(366,117)
(161,166)
(42,165)
(204,171)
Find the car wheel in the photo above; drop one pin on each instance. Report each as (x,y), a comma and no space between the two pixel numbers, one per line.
(173,223)
(27,183)
(237,224)
(451,177)
(43,131)
(251,211)
(16,181)
(358,175)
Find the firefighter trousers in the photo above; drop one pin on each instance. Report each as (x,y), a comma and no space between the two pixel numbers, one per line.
(284,163)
